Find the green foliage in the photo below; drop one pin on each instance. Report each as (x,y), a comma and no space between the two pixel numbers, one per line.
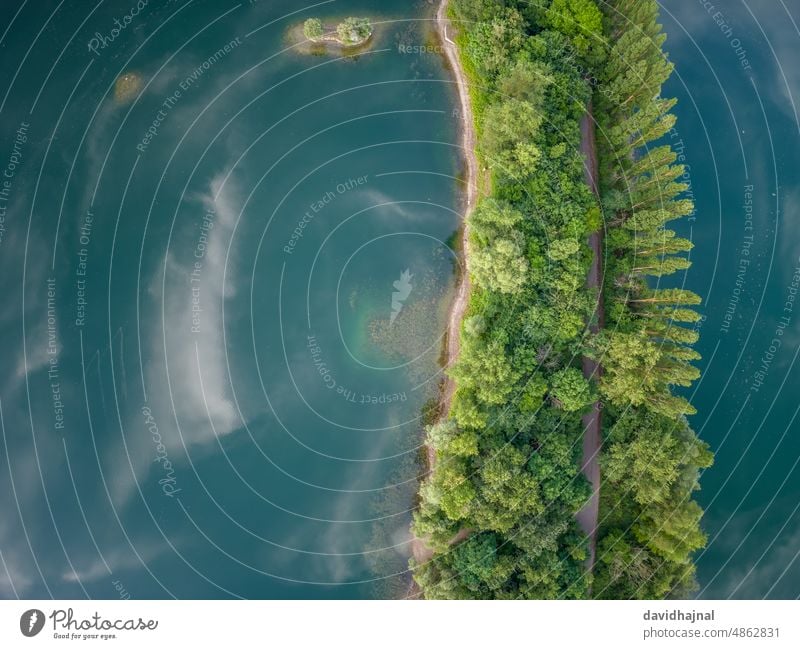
(627,570)
(562,249)
(594,219)
(582,21)
(509,131)
(509,493)
(312,28)
(672,531)
(638,372)
(476,11)
(499,266)
(451,490)
(445,437)
(496,261)
(477,563)
(570,389)
(512,476)
(353,30)
(486,372)
(526,81)
(644,456)
(499,508)
(652,457)
(493,43)
(474,325)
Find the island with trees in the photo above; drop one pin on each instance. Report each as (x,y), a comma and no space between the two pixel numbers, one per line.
(351,32)
(573,325)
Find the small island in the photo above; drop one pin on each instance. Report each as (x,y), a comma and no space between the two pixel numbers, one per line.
(351,32)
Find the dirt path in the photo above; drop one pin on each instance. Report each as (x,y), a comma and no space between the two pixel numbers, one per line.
(590,465)
(420,550)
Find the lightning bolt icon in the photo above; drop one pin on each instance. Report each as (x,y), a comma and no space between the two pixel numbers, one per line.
(32,620)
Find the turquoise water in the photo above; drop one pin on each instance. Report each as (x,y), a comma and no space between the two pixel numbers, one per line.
(212,385)
(737,83)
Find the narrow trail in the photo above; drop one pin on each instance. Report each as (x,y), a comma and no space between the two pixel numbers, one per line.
(420,551)
(468,144)
(592,440)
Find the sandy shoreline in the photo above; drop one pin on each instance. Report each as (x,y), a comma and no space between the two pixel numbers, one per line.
(420,550)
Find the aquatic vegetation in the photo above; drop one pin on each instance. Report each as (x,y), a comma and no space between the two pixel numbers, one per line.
(532,320)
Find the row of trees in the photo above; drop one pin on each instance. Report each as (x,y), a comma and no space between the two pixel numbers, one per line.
(499,509)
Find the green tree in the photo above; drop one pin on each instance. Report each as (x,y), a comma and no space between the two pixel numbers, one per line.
(499,508)
(496,261)
(447,439)
(494,43)
(492,218)
(450,489)
(474,325)
(668,297)
(430,523)
(647,464)
(509,493)
(526,81)
(479,565)
(561,249)
(627,570)
(659,266)
(582,21)
(639,372)
(533,393)
(485,370)
(660,242)
(500,266)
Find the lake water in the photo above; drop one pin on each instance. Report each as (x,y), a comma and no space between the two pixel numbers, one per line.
(738,88)
(225,277)
(210,287)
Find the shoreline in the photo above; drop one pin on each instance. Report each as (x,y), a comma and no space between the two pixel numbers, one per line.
(420,551)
